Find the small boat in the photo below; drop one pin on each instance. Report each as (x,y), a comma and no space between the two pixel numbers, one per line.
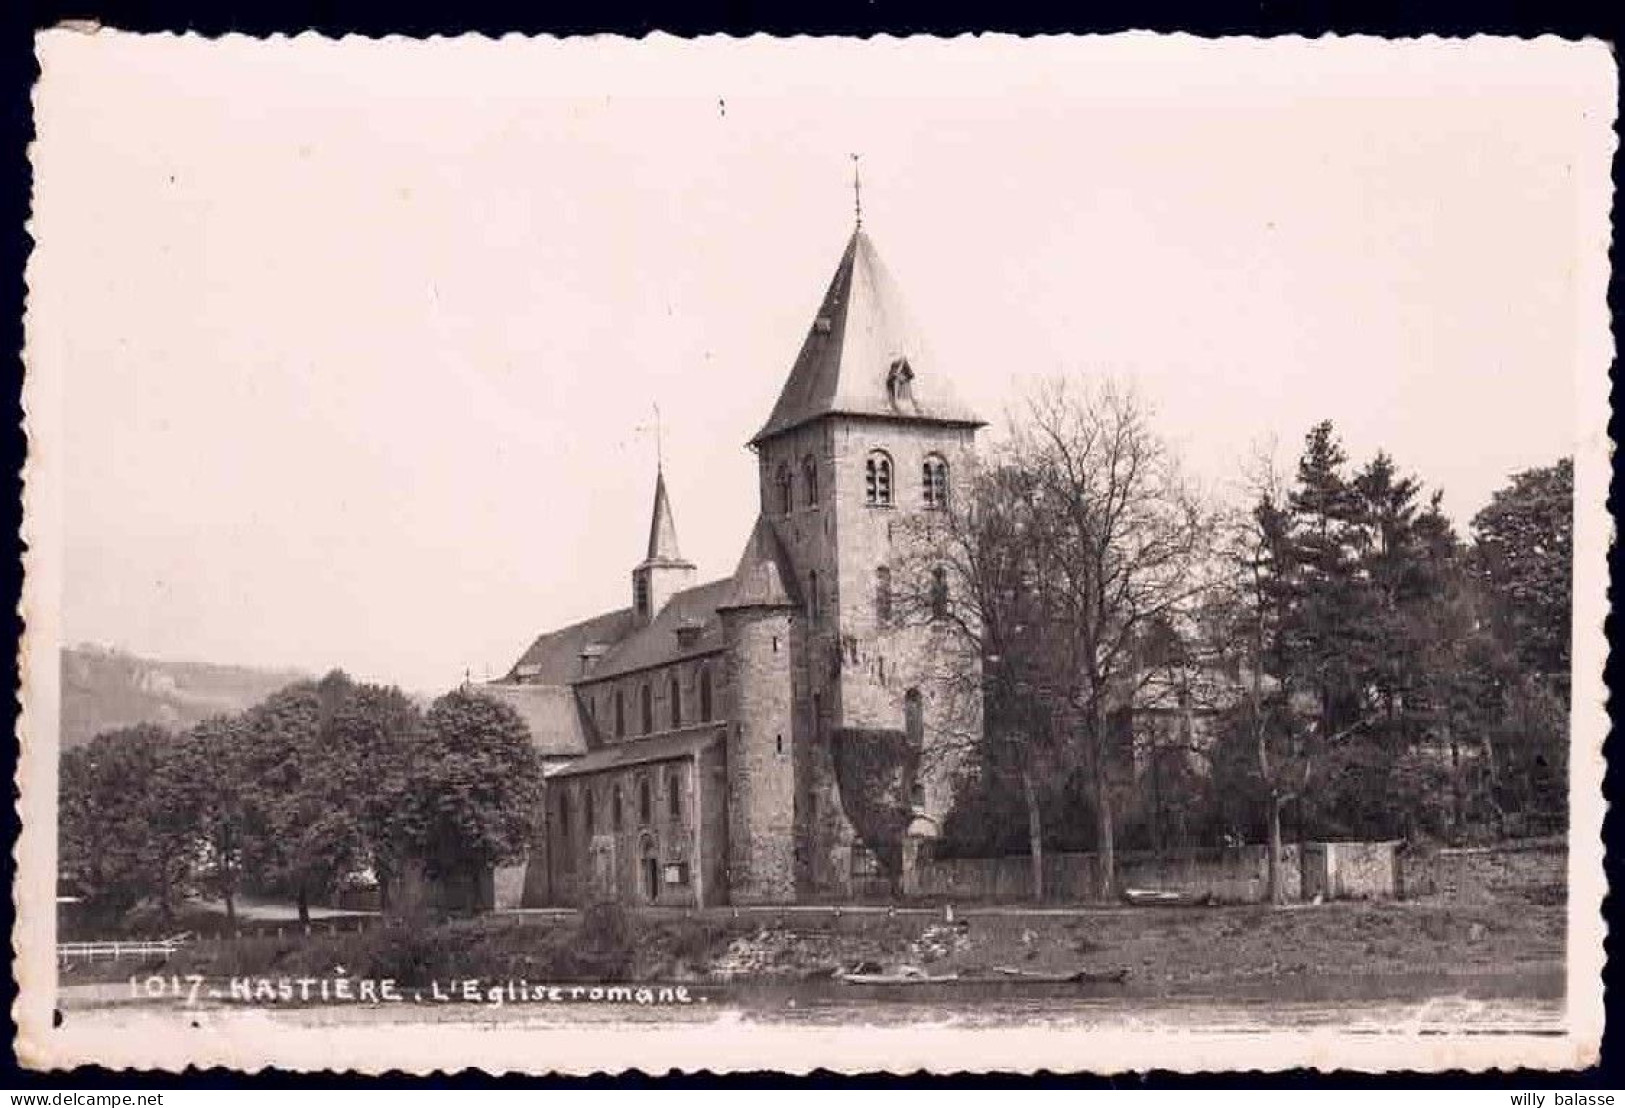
(1155,896)
(903,975)
(1077,977)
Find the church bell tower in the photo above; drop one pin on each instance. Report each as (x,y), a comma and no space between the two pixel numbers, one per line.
(866,436)
(664,571)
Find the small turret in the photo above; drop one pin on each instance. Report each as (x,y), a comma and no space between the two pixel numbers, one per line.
(663,571)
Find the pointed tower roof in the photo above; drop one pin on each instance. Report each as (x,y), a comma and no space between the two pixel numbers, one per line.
(764,578)
(863,355)
(663,529)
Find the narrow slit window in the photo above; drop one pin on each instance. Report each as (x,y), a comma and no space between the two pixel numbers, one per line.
(939,593)
(786,488)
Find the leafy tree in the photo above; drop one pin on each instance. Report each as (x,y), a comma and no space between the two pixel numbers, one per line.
(119,840)
(1345,613)
(203,783)
(325,766)
(1523,553)
(472,788)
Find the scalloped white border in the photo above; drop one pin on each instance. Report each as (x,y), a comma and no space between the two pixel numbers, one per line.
(253,1041)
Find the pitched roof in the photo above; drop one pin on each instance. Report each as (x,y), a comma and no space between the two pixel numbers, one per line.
(764,578)
(555,658)
(658,644)
(860,335)
(663,529)
(655,748)
(557,729)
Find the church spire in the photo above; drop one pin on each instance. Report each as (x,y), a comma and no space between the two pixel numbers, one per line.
(662,527)
(863,356)
(663,572)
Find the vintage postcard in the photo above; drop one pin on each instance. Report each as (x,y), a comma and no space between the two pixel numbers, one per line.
(559,555)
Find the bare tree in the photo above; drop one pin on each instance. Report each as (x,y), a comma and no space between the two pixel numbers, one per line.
(968,572)
(1081,536)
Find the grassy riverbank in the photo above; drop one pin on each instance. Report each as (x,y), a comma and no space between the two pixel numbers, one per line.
(1163,948)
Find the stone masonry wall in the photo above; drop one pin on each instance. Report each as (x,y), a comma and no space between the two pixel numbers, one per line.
(1234,875)
(604,861)
(598,697)
(711,786)
(851,671)
(761,757)
(809,533)
(1469,873)
(878,664)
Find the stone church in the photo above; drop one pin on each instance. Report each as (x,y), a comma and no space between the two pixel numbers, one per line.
(771,736)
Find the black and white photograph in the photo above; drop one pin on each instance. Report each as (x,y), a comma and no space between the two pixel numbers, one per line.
(568,555)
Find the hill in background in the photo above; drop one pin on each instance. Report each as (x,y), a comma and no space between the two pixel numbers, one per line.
(103,688)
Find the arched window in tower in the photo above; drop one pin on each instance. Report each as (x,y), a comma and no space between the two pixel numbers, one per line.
(812,598)
(883,596)
(676,694)
(939,593)
(783,481)
(620,715)
(616,815)
(564,816)
(588,816)
(645,802)
(877,479)
(640,594)
(646,709)
(934,481)
(809,480)
(705,695)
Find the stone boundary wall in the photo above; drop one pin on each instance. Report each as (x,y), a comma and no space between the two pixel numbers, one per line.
(1239,875)
(1231,875)
(1473,872)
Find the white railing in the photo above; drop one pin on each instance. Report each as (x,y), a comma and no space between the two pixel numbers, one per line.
(114,949)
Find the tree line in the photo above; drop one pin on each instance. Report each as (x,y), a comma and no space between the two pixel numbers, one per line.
(1323,658)
(318,784)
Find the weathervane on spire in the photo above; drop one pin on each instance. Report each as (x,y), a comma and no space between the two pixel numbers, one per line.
(655,427)
(857,190)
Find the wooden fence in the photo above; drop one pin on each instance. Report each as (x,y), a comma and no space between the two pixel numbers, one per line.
(114,949)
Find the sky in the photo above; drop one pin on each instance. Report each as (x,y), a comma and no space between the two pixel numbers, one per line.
(358,344)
